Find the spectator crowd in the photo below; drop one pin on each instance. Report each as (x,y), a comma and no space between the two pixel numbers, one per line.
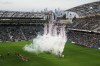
(87,39)
(19,33)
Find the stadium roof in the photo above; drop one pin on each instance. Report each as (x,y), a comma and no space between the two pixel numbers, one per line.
(29,5)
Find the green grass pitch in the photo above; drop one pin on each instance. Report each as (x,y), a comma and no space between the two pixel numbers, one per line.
(74,56)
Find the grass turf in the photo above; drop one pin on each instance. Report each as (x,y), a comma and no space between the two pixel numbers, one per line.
(74,56)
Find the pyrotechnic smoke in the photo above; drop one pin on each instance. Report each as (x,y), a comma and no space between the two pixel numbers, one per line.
(53,40)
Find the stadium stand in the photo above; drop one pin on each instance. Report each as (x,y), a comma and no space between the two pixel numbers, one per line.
(18,26)
(87,23)
(84,38)
(85,30)
(19,33)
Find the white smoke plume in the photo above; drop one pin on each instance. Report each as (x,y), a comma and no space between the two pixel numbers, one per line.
(53,40)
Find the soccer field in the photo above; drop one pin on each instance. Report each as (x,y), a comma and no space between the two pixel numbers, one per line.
(74,56)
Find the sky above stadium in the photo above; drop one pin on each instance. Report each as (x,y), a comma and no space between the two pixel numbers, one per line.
(29,5)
